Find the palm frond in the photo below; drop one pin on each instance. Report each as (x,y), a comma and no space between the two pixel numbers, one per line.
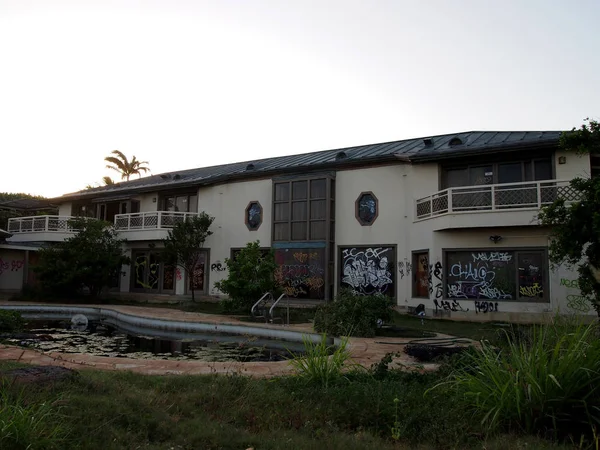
(108,181)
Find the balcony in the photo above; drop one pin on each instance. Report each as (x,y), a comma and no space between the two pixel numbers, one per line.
(148,225)
(522,200)
(40,228)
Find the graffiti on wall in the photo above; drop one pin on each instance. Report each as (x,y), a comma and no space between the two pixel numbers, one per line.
(368,270)
(404,268)
(434,280)
(448,305)
(575,300)
(482,306)
(13,266)
(218,266)
(301,273)
(482,275)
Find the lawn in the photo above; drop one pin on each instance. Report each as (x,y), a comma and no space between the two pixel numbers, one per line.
(129,411)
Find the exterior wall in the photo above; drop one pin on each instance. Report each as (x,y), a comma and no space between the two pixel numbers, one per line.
(389,236)
(64,209)
(227,203)
(148,202)
(575,166)
(13,270)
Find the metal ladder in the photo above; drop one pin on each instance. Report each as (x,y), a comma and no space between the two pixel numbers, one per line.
(261,309)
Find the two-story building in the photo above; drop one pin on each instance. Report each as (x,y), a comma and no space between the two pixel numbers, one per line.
(447,221)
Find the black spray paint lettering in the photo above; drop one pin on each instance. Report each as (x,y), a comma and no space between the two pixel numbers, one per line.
(218,267)
(404,268)
(435,272)
(448,305)
(485,307)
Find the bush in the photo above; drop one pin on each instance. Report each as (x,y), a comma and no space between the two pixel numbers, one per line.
(250,276)
(10,320)
(353,315)
(550,383)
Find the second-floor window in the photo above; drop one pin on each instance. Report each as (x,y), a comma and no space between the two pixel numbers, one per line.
(497,173)
(180,203)
(300,210)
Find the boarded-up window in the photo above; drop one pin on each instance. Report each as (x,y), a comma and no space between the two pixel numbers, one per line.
(420,269)
(368,270)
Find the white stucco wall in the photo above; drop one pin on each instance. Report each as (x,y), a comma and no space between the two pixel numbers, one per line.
(12,270)
(227,203)
(575,165)
(148,202)
(64,209)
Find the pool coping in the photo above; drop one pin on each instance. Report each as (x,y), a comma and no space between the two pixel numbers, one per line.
(363,351)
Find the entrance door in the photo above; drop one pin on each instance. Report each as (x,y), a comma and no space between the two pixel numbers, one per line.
(199,280)
(152,275)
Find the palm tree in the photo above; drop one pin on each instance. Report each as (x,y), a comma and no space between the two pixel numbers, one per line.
(121,164)
(108,181)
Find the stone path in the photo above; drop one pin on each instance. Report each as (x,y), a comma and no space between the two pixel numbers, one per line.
(364,351)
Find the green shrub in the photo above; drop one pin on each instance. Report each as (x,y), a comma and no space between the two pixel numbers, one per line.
(321,363)
(250,275)
(352,314)
(10,320)
(547,382)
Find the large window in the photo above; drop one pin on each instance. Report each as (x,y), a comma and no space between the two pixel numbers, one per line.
(301,210)
(368,270)
(497,173)
(509,275)
(180,203)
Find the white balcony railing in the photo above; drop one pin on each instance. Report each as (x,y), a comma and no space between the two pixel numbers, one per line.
(150,220)
(494,197)
(34,224)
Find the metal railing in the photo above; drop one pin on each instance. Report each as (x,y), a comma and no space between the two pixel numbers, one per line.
(150,220)
(494,197)
(35,224)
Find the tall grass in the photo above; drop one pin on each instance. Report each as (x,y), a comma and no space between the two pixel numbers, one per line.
(548,382)
(322,363)
(28,425)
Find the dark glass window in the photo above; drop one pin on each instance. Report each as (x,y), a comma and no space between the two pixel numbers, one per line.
(496,275)
(253,216)
(543,170)
(366,208)
(510,173)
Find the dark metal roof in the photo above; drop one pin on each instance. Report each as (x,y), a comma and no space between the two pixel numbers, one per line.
(27,204)
(408,150)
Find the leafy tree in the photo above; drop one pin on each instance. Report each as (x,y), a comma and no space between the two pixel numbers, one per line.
(576,225)
(250,275)
(126,168)
(183,245)
(8,213)
(91,259)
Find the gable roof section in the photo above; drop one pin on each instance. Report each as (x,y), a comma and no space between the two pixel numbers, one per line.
(409,150)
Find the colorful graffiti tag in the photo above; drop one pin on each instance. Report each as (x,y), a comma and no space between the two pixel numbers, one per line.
(369,270)
(301,273)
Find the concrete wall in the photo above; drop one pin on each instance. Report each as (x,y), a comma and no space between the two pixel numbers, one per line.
(64,209)
(227,203)
(575,166)
(12,270)
(147,201)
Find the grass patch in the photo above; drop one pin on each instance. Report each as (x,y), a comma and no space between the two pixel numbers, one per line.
(126,411)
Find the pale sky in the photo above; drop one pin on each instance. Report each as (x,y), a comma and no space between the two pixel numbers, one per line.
(187,84)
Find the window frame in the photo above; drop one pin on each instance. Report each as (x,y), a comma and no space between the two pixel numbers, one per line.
(187,193)
(415,262)
(516,250)
(308,221)
(357,208)
(246,218)
(495,163)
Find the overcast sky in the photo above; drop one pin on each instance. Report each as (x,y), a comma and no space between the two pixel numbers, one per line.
(187,84)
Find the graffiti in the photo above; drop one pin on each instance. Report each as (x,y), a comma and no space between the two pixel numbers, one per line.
(197,279)
(143,265)
(492,256)
(404,268)
(447,305)
(578,303)
(485,307)
(15,265)
(368,270)
(178,274)
(218,267)
(435,271)
(303,257)
(301,273)
(574,284)
(534,290)
(486,276)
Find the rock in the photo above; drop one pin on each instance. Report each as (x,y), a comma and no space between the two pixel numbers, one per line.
(39,374)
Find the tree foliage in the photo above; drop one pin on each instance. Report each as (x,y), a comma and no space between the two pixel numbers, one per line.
(250,276)
(183,245)
(126,168)
(575,235)
(90,260)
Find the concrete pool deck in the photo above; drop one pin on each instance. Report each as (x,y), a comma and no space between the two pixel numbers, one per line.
(364,351)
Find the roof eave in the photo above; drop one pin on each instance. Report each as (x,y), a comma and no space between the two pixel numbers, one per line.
(442,156)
